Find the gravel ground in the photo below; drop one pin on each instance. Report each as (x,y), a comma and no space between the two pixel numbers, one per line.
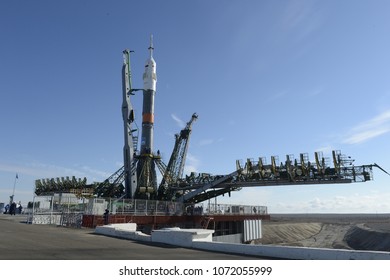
(341,231)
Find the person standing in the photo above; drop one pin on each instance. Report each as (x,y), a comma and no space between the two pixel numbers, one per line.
(12,208)
(6,209)
(106,216)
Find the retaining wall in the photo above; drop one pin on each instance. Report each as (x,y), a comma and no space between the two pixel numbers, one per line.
(361,237)
(202,239)
(126,231)
(287,252)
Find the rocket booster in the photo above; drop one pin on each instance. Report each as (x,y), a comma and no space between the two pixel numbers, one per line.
(149,90)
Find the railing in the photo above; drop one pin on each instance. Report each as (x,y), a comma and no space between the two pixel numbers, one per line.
(226,209)
(167,208)
(66,210)
(145,207)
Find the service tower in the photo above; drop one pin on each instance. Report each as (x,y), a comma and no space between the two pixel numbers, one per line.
(129,148)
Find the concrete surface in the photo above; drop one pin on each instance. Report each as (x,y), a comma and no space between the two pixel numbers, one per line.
(21,241)
(181,237)
(328,234)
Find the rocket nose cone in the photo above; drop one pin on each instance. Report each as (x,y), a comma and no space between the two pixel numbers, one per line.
(150,66)
(150,62)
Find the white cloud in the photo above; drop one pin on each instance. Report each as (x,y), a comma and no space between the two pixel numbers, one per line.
(277,96)
(372,203)
(191,165)
(255,196)
(40,170)
(28,172)
(34,169)
(315,92)
(370,129)
(206,142)
(96,175)
(325,149)
(294,14)
(364,136)
(302,17)
(178,121)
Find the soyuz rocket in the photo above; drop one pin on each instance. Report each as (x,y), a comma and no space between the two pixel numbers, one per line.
(139,169)
(149,91)
(146,168)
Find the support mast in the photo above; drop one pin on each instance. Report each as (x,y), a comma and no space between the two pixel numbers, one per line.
(128,119)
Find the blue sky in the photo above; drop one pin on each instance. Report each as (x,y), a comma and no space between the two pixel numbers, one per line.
(265,77)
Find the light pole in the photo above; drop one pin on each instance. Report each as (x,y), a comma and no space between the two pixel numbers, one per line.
(13,191)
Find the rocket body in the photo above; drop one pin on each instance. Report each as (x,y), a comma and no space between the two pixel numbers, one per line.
(146,167)
(149,92)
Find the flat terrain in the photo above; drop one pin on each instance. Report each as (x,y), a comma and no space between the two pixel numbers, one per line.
(340,231)
(21,241)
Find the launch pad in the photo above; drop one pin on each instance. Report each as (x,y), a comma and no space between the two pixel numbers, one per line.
(139,171)
(137,179)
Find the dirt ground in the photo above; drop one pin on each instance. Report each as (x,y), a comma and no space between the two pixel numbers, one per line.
(339,231)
